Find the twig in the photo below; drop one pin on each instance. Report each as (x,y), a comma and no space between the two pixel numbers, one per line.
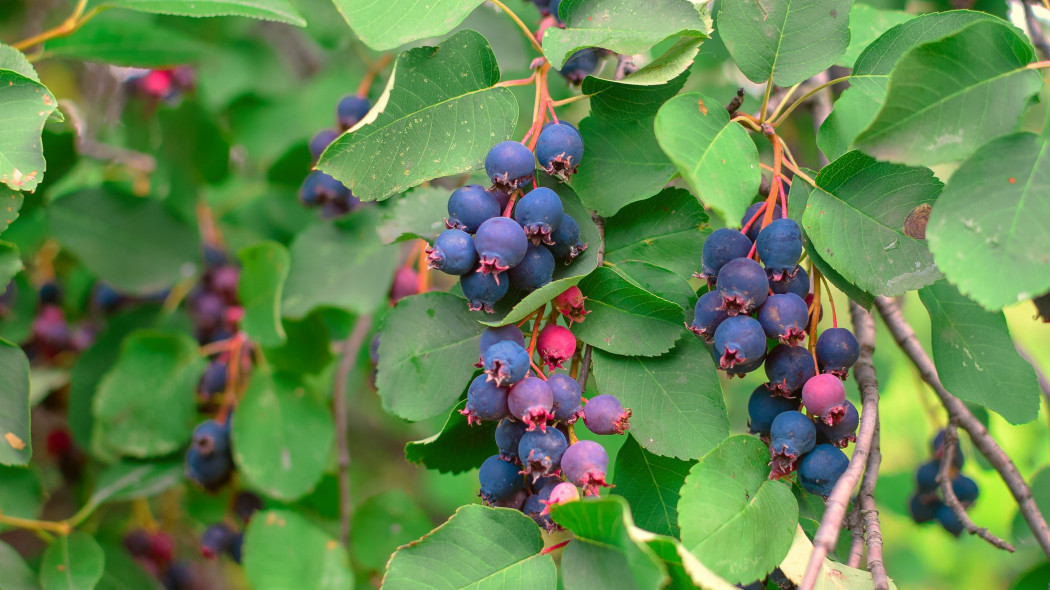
(67,27)
(1035,30)
(373,70)
(856,531)
(1044,383)
(944,478)
(351,348)
(521,25)
(958,412)
(837,503)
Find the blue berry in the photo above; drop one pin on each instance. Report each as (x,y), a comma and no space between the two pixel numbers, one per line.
(743,285)
(740,340)
(213,382)
(568,403)
(453,253)
(490,336)
(320,188)
(585,464)
(531,401)
(842,432)
(937,450)
(499,480)
(321,140)
(784,317)
(534,508)
(719,248)
(603,414)
(485,401)
(821,468)
(105,297)
(539,212)
(792,435)
(788,368)
(541,451)
(779,244)
(566,243)
(216,540)
(926,477)
(483,290)
(965,489)
(756,227)
(837,351)
(351,109)
(707,315)
(534,271)
(946,516)
(544,6)
(764,406)
(559,149)
(580,64)
(501,244)
(469,206)
(510,165)
(508,435)
(208,460)
(506,363)
(796,282)
(923,508)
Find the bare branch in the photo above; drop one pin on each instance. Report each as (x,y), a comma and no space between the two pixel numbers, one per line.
(351,348)
(958,412)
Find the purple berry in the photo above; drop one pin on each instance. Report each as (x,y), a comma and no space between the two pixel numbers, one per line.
(469,206)
(764,406)
(821,468)
(485,401)
(585,465)
(213,382)
(483,290)
(603,414)
(406,282)
(491,336)
(756,227)
(792,435)
(722,246)
(743,285)
(508,435)
(499,480)
(740,341)
(500,243)
(946,516)
(321,140)
(779,244)
(788,368)
(824,398)
(568,404)
(541,452)
(539,212)
(510,165)
(559,149)
(796,282)
(555,344)
(837,351)
(453,253)
(534,271)
(208,460)
(923,508)
(844,431)
(531,401)
(506,363)
(566,240)
(216,540)
(580,64)
(707,315)
(784,317)
(351,110)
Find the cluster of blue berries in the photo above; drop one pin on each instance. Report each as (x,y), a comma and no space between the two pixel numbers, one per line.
(320,189)
(749,307)
(491,251)
(222,538)
(926,505)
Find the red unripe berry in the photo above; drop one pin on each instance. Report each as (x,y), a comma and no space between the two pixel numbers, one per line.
(570,304)
(556,344)
(406,282)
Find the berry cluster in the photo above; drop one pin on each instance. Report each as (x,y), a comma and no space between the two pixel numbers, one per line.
(926,504)
(490,250)
(320,189)
(222,538)
(750,306)
(154,552)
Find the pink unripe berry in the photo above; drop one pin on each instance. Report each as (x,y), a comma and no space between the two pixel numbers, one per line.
(556,344)
(824,397)
(570,304)
(406,282)
(562,493)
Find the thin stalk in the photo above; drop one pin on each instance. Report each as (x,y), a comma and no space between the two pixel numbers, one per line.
(521,25)
(778,120)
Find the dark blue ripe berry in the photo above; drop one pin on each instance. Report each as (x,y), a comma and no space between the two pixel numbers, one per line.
(946,516)
(510,165)
(779,244)
(792,435)
(796,282)
(485,401)
(319,188)
(707,315)
(208,460)
(541,451)
(539,212)
(837,351)
(740,341)
(534,508)
(213,382)
(499,480)
(821,468)
(321,140)
(764,406)
(719,248)
(351,109)
(531,401)
(585,464)
(490,336)
(534,271)
(453,253)
(580,64)
(756,225)
(469,206)
(506,363)
(216,540)
(566,240)
(559,149)
(842,432)
(743,285)
(788,368)
(500,243)
(923,508)
(784,317)
(483,290)
(937,450)
(965,489)
(568,404)
(508,435)
(926,477)
(603,414)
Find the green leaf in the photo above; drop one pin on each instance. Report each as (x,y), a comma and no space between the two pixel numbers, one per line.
(625,100)
(668,66)
(458,447)
(283,550)
(26,105)
(675,399)
(134,244)
(622,164)
(685,570)
(72,562)
(659,281)
(282,436)
(832,576)
(21,495)
(128,39)
(651,485)
(10,262)
(975,356)
(264,269)
(988,230)
(626,27)
(272,10)
(441,116)
(459,554)
(126,480)
(123,573)
(143,406)
(422,372)
(625,319)
(9,207)
(852,113)
(667,230)
(866,24)
(387,25)
(730,508)
(855,220)
(17,575)
(383,523)
(604,553)
(343,266)
(306,349)
(948,97)
(716,157)
(788,41)
(16,61)
(419,213)
(16,448)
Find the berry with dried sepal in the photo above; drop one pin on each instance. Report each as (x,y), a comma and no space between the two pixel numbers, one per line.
(603,414)
(508,435)
(566,243)
(541,452)
(469,206)
(824,397)
(510,165)
(568,404)
(351,110)
(837,351)
(485,401)
(796,282)
(792,435)
(779,244)
(951,523)
(580,64)
(722,246)
(531,401)
(499,480)
(821,468)
(534,507)
(764,406)
(585,464)
(500,243)
(539,212)
(216,540)
(208,460)
(743,285)
(483,290)
(788,368)
(756,227)
(506,363)
(491,336)
(555,344)
(708,313)
(570,303)
(842,432)
(559,149)
(561,493)
(784,317)
(740,343)
(534,271)
(453,253)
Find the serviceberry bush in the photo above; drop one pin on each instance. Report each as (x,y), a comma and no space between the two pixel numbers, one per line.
(615,265)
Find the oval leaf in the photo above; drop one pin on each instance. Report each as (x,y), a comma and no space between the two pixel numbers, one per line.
(26,104)
(273,10)
(72,562)
(651,485)
(264,269)
(283,550)
(667,230)
(16,447)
